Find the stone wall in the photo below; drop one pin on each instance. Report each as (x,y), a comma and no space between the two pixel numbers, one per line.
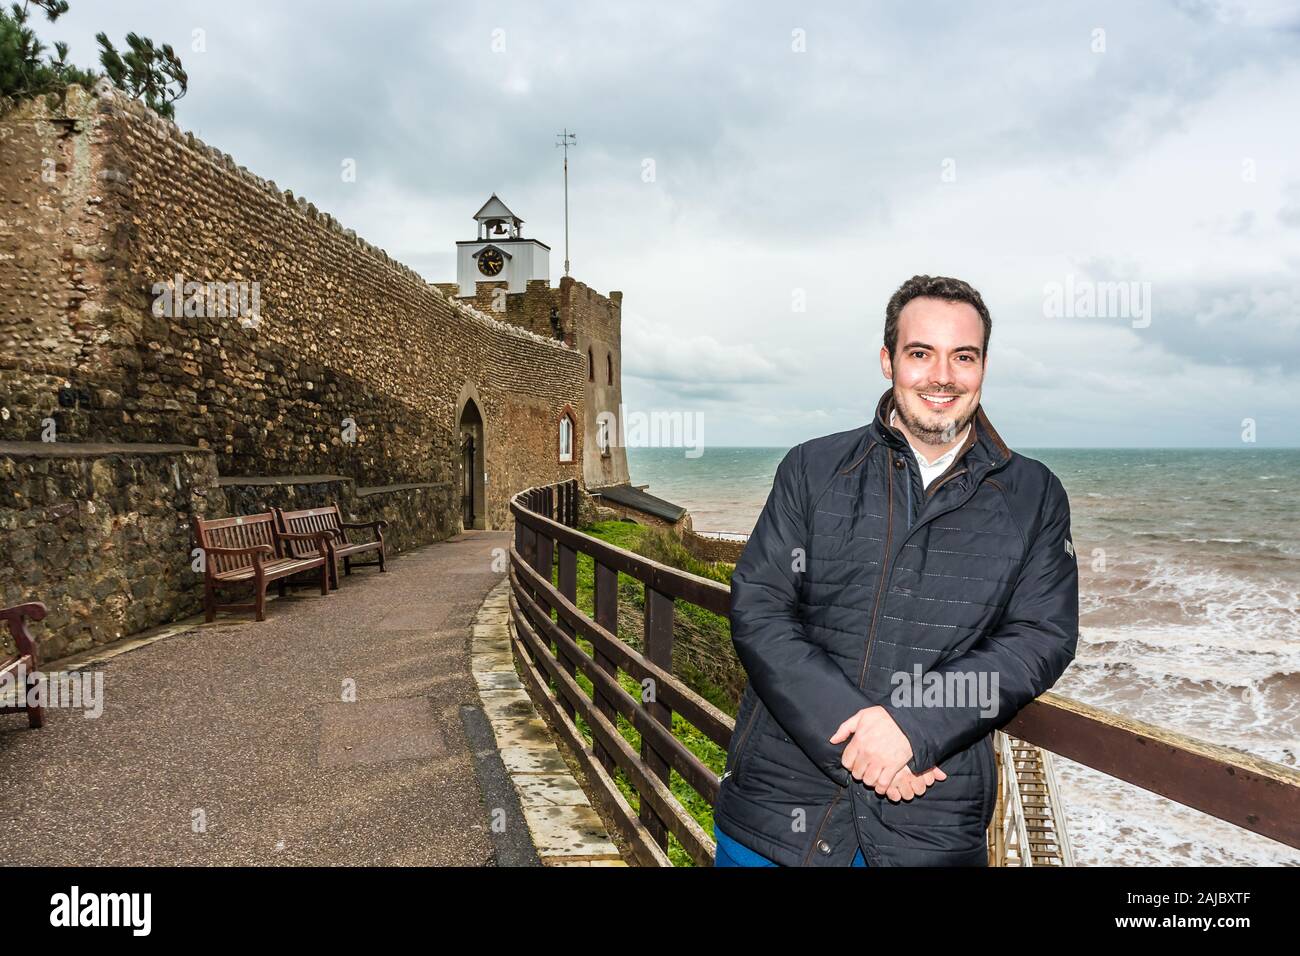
(608,510)
(538,310)
(105,204)
(713,549)
(102,534)
(593,324)
(598,321)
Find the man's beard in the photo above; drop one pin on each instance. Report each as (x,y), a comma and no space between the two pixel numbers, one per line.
(930,435)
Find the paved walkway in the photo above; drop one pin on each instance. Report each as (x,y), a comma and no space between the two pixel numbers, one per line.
(565,829)
(232,743)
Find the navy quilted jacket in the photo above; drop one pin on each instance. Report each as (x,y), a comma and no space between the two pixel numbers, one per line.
(856,574)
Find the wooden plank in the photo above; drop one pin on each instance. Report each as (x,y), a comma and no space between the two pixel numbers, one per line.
(710,595)
(567,580)
(697,711)
(1253,793)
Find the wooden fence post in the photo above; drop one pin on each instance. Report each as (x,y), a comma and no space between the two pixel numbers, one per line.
(658,650)
(568,586)
(606,614)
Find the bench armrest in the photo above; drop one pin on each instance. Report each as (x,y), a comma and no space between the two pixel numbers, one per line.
(377,525)
(323,539)
(17,617)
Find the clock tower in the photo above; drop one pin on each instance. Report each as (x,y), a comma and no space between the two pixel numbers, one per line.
(500,253)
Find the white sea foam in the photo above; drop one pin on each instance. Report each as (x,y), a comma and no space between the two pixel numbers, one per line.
(1113,823)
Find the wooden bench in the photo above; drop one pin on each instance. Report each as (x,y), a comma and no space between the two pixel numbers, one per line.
(25,662)
(252,548)
(330,520)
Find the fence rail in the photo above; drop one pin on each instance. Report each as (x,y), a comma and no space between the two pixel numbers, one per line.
(1252,793)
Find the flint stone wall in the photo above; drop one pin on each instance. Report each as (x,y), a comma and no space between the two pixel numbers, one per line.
(102,535)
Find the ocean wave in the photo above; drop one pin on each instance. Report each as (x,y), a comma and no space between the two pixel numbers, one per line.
(1236,596)
(1174,678)
(1113,823)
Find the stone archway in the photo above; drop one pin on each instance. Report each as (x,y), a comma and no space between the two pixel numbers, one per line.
(471,464)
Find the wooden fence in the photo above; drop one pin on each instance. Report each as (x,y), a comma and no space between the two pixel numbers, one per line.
(1250,792)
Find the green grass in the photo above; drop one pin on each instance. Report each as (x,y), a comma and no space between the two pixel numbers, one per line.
(666,549)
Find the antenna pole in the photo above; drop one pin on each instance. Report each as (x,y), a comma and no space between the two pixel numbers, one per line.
(565,140)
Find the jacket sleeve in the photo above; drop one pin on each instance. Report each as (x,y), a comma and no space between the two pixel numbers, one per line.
(1029,648)
(796,680)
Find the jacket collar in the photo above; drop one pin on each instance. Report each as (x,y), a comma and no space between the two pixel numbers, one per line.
(984,449)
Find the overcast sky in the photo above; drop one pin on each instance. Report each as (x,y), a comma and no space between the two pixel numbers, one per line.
(817,152)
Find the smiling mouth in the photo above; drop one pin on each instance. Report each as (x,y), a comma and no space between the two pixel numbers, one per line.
(937,400)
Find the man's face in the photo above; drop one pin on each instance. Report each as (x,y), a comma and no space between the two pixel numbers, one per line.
(937,368)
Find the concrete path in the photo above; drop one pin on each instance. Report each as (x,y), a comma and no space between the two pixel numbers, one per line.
(564,827)
(235,743)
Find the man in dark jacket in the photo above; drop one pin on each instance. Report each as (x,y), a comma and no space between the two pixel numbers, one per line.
(890,620)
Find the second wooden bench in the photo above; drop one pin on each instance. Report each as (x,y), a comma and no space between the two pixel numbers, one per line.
(330,520)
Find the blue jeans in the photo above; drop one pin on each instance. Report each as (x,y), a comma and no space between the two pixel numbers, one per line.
(731,853)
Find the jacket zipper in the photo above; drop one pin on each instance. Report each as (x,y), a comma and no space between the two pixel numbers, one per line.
(744,735)
(884,573)
(908,481)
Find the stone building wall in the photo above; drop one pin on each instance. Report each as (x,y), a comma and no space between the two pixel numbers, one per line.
(101,200)
(591,323)
(102,535)
(540,309)
(598,324)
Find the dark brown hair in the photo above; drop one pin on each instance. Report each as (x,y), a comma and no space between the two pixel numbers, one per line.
(936,287)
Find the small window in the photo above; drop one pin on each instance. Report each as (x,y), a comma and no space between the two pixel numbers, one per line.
(602,437)
(566,438)
(591,367)
(609,367)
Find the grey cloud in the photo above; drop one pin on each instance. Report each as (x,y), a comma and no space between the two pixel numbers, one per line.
(1253,326)
(816,170)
